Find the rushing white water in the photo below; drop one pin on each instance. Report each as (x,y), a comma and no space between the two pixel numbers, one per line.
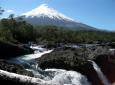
(100,74)
(54,76)
(68,77)
(61,77)
(36,55)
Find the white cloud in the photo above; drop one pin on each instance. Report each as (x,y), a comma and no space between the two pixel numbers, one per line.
(10,11)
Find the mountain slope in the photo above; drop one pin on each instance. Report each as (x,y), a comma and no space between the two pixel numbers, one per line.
(43,15)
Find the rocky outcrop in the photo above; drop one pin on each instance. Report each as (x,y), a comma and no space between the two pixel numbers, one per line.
(74,59)
(9,50)
(70,58)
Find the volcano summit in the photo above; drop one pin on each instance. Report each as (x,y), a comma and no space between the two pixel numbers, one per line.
(44,15)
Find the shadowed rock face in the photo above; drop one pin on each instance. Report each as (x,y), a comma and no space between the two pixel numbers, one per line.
(91,74)
(107,65)
(8,50)
(4,81)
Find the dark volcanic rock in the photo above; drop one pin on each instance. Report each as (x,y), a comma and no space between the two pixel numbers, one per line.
(5,81)
(8,50)
(112,44)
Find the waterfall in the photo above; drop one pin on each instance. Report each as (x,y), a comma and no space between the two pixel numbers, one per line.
(100,74)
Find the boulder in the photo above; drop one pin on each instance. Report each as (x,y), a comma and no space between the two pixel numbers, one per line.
(9,50)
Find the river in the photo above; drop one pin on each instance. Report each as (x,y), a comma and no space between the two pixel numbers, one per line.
(55,76)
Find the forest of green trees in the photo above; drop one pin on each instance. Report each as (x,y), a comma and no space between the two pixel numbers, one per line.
(22,32)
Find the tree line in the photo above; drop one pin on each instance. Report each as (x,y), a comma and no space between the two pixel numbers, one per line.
(19,31)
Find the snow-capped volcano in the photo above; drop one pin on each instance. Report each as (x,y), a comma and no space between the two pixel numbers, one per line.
(43,10)
(44,15)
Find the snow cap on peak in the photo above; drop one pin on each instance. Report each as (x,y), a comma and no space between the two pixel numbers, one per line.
(42,6)
(44,11)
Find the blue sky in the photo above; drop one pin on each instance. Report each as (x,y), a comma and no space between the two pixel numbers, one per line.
(96,13)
